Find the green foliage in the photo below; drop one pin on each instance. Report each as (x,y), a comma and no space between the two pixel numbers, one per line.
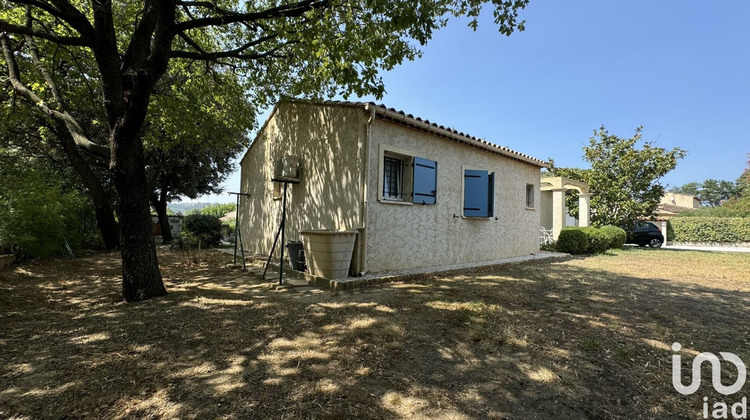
(205,228)
(573,241)
(691,188)
(597,241)
(711,229)
(623,179)
(38,213)
(743,182)
(722,211)
(741,204)
(614,236)
(184,241)
(670,231)
(218,210)
(711,192)
(590,240)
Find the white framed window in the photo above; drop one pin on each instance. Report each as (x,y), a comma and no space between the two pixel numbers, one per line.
(530,196)
(406,178)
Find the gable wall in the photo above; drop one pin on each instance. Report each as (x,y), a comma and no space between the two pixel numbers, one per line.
(328,141)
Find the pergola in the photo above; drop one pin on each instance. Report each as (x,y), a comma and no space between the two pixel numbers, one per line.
(558,186)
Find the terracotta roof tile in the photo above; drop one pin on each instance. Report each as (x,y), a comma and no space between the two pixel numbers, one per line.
(671,208)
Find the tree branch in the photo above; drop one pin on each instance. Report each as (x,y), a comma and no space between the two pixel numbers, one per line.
(74,18)
(107,60)
(213,56)
(235,53)
(34,52)
(65,11)
(289,10)
(62,40)
(71,124)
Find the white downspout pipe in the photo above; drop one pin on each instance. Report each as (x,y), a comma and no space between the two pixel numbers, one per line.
(363,208)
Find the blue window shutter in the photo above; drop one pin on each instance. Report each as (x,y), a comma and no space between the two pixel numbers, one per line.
(425,181)
(476,187)
(491,195)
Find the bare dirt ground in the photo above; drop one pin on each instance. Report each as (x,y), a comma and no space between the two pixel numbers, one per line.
(576,339)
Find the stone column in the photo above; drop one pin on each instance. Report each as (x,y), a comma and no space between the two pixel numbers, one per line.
(584,209)
(558,211)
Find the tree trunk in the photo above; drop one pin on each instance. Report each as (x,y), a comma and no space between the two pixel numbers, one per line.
(105,215)
(159,202)
(141,278)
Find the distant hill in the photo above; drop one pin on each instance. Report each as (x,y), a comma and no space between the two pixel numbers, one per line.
(184,207)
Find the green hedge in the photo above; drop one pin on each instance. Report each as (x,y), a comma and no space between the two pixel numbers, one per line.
(711,229)
(589,240)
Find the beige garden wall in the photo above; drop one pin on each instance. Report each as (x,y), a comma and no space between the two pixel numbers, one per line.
(401,236)
(328,140)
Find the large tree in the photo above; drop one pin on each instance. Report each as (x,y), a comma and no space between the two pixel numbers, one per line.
(311,47)
(623,179)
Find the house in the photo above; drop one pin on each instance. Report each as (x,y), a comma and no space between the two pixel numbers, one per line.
(672,204)
(418,194)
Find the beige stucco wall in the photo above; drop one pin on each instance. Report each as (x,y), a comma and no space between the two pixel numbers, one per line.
(328,140)
(403,236)
(682,200)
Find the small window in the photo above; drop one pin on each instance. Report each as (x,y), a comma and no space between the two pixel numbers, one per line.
(393,178)
(530,196)
(405,178)
(479,193)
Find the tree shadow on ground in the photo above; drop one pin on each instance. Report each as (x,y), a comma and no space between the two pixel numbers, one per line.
(524,341)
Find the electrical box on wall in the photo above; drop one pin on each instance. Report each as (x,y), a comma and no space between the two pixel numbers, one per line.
(287,169)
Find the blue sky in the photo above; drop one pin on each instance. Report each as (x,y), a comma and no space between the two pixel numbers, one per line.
(679,68)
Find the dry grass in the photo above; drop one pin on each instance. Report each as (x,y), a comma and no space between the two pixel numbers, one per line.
(583,338)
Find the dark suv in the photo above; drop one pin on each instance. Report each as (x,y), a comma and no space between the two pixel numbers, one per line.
(645,233)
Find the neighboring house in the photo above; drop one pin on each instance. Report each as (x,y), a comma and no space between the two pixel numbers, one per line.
(672,204)
(418,194)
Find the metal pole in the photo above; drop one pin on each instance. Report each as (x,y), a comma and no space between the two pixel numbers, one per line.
(270,255)
(236,225)
(283,225)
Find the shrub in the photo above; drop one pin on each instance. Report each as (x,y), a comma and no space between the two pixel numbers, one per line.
(711,229)
(596,242)
(205,228)
(589,240)
(573,241)
(614,236)
(40,216)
